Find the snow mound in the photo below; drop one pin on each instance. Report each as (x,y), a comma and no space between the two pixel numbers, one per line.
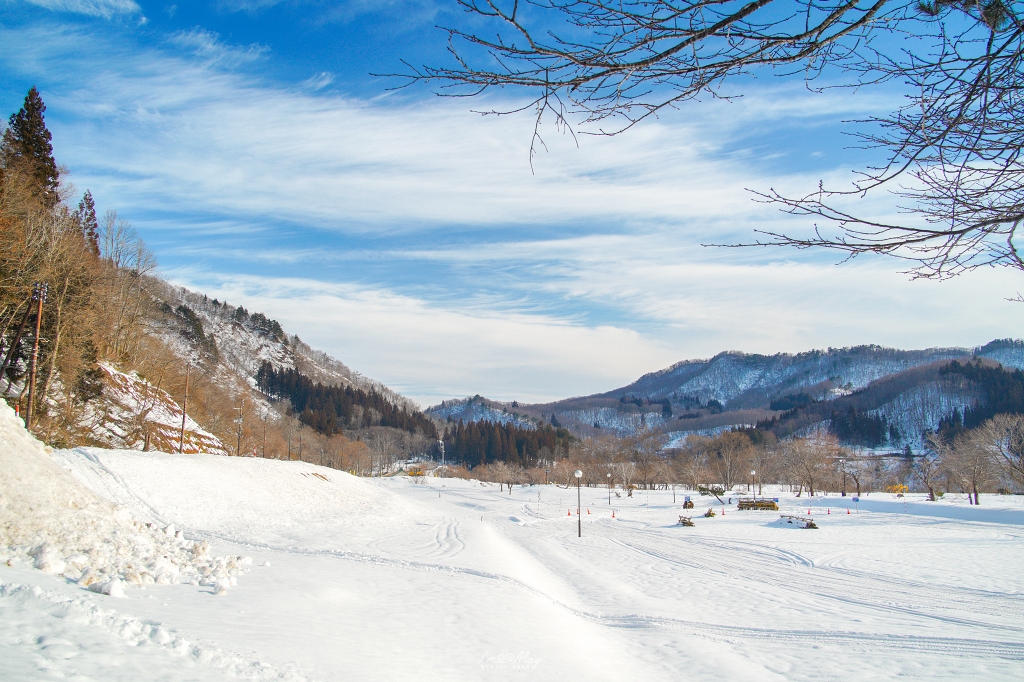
(243,499)
(63,528)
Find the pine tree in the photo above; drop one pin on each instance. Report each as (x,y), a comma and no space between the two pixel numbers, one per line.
(86,215)
(26,149)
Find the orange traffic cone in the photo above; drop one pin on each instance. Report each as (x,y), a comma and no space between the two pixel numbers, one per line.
(613,513)
(588,511)
(847,511)
(829,511)
(568,512)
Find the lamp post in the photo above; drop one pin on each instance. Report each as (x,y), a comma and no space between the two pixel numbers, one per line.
(842,464)
(609,488)
(579,517)
(752,472)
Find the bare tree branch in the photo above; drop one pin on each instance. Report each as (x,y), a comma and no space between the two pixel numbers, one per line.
(952,152)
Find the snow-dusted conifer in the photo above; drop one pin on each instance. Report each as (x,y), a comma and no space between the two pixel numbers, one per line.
(26,149)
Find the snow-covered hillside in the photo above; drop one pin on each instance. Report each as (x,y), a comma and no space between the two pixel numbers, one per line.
(238,341)
(611,420)
(728,376)
(134,414)
(920,409)
(477,409)
(1007,352)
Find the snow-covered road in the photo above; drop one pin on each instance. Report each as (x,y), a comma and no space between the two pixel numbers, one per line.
(396,579)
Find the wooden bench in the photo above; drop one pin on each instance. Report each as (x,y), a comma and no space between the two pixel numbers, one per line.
(802,521)
(753,503)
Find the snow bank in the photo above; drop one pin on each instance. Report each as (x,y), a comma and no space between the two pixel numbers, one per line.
(63,528)
(244,499)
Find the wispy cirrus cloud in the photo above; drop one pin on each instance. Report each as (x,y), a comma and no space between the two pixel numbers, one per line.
(95,8)
(208,46)
(430,352)
(409,238)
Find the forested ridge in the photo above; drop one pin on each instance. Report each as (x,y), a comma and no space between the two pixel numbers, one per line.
(481,442)
(333,409)
(1003,392)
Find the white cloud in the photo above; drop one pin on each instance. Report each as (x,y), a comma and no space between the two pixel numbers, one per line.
(432,352)
(208,46)
(171,128)
(248,6)
(573,280)
(95,8)
(319,81)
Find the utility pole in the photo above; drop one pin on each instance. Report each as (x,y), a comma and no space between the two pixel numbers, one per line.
(184,406)
(17,338)
(238,448)
(264,434)
(441,443)
(39,295)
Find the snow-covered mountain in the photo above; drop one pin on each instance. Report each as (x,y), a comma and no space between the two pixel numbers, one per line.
(477,409)
(739,379)
(741,389)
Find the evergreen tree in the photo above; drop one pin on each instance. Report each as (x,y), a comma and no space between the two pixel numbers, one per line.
(86,215)
(26,149)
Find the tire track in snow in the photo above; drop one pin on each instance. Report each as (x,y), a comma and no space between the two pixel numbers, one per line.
(946,645)
(107,475)
(912,598)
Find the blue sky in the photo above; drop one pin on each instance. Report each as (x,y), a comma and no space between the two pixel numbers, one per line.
(249,145)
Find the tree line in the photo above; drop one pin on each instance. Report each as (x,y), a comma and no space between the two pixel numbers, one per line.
(333,409)
(1002,393)
(481,442)
(984,460)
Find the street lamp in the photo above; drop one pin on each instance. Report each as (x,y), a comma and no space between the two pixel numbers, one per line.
(842,465)
(609,488)
(752,472)
(579,517)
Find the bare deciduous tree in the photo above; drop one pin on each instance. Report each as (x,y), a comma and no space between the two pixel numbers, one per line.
(812,460)
(732,454)
(1004,434)
(968,459)
(952,152)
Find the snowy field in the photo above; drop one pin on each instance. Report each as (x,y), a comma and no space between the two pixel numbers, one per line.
(394,579)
